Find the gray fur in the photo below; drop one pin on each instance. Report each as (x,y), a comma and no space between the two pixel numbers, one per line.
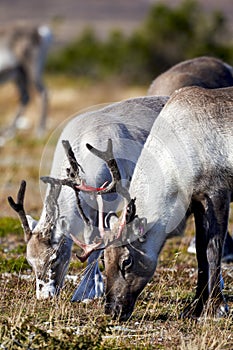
(186,161)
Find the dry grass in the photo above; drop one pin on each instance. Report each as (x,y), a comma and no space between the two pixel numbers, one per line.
(155,324)
(26,323)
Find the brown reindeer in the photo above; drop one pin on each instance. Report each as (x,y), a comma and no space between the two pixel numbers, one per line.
(207,72)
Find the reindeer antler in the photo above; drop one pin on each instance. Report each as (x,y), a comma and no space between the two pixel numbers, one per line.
(19,208)
(73,171)
(74,181)
(87,248)
(109,158)
(106,239)
(74,165)
(128,214)
(114,236)
(72,177)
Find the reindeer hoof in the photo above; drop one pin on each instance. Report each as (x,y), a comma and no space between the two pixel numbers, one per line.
(193,310)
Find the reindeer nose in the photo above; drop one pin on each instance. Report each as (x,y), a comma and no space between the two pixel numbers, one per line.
(44,291)
(114,310)
(108,309)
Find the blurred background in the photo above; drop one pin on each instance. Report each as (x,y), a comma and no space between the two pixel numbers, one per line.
(101,51)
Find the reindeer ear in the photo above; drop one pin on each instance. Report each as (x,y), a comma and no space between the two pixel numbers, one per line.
(139,228)
(31,222)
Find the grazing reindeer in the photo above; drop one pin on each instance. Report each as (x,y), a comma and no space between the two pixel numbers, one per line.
(48,242)
(207,72)
(187,160)
(23,53)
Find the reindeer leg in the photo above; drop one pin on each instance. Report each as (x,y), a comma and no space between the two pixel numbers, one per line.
(194,309)
(211,218)
(218,213)
(21,81)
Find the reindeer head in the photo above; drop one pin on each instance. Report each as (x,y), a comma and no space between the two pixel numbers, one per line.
(48,242)
(48,257)
(128,269)
(128,262)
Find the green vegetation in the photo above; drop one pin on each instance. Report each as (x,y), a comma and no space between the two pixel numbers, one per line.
(12,264)
(12,254)
(167,36)
(10,225)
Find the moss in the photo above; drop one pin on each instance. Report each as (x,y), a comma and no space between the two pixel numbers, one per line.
(9,225)
(20,250)
(13,264)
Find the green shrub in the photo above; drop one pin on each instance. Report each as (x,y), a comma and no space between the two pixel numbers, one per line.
(167,36)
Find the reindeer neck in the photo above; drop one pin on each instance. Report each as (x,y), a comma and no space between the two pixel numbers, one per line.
(187,152)
(162,194)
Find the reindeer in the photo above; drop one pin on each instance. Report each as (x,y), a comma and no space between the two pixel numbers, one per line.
(23,53)
(187,160)
(64,213)
(207,72)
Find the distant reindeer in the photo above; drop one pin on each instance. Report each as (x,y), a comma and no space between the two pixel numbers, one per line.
(64,213)
(23,52)
(187,160)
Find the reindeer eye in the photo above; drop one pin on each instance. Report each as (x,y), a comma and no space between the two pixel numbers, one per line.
(126,263)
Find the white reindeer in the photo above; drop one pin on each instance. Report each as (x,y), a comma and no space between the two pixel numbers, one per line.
(23,52)
(187,160)
(49,242)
